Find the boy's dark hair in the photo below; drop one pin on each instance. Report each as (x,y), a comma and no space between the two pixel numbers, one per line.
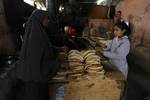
(119,12)
(123,26)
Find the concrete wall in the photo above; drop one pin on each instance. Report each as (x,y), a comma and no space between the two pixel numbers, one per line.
(137,13)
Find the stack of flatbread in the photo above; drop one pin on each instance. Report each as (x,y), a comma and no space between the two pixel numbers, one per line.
(75,63)
(60,76)
(92,63)
(84,61)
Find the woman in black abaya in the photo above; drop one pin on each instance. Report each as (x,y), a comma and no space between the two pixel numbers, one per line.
(37,62)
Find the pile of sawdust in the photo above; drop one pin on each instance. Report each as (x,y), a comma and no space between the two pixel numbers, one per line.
(94,89)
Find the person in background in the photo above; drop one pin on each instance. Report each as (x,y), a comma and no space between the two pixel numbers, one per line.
(93,31)
(119,48)
(118,17)
(69,37)
(89,30)
(86,30)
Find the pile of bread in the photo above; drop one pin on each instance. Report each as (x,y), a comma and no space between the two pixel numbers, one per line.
(85,61)
(75,64)
(79,64)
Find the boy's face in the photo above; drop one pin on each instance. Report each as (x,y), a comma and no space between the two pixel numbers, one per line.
(118,15)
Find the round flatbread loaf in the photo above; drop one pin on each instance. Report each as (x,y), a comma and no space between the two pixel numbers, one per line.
(74,52)
(92,57)
(101,72)
(95,68)
(70,55)
(76,75)
(75,58)
(85,53)
(75,64)
(93,62)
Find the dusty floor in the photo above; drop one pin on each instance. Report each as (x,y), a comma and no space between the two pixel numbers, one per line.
(94,89)
(91,88)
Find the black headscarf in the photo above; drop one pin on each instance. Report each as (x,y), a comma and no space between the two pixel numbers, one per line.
(37,61)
